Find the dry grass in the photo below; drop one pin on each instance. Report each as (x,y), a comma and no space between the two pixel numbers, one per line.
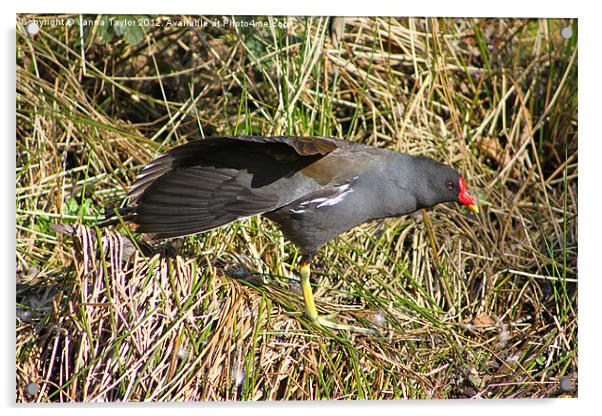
(487,308)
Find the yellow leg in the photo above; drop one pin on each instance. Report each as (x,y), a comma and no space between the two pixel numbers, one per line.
(311,311)
(310,306)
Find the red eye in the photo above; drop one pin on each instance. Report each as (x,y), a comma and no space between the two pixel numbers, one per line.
(450,185)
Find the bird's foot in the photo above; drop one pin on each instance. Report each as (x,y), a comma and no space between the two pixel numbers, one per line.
(328,322)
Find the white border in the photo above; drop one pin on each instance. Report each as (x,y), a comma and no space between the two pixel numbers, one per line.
(590,177)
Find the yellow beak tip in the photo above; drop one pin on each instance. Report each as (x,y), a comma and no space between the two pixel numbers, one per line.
(474,208)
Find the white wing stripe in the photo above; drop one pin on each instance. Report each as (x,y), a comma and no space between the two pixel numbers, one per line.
(337,197)
(335,200)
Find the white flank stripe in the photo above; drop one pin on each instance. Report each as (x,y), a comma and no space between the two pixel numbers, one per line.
(313,201)
(339,195)
(336,199)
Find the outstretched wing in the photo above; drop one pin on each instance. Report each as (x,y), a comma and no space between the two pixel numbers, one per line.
(208,183)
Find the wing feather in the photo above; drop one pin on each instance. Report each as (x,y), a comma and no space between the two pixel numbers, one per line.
(208,183)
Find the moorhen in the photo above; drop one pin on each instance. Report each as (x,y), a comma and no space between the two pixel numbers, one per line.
(314,188)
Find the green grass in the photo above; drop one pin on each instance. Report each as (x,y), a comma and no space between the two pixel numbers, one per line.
(467,306)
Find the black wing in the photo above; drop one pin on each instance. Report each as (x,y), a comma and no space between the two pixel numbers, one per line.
(208,183)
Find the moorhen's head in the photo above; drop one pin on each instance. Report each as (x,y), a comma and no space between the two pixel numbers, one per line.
(438,183)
